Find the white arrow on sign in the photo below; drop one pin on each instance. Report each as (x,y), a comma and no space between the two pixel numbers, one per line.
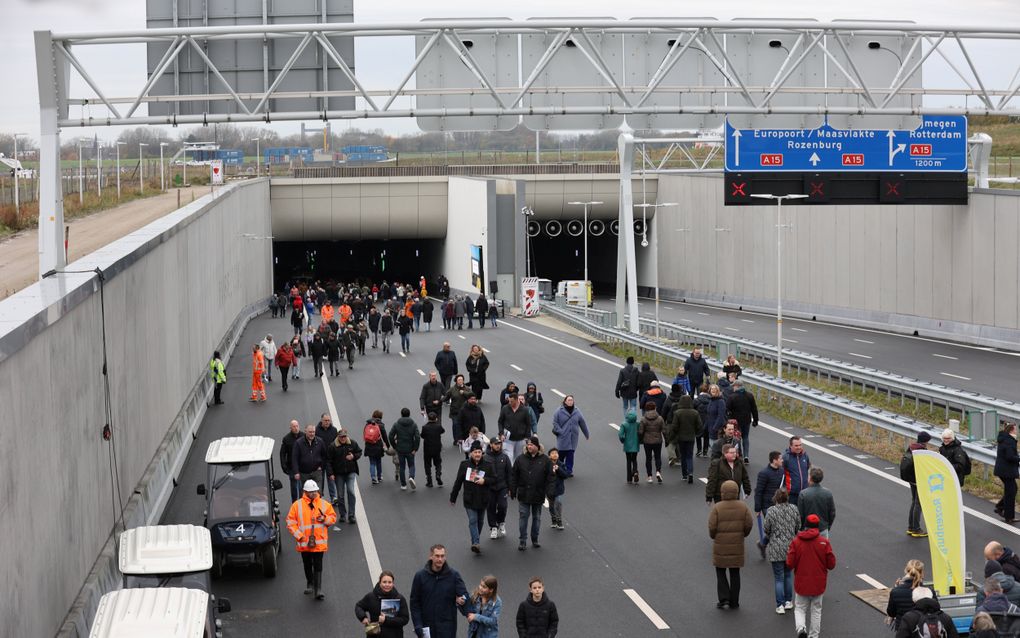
(736,147)
(814,159)
(899,147)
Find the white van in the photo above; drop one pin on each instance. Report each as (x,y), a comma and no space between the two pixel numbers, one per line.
(167,612)
(575,292)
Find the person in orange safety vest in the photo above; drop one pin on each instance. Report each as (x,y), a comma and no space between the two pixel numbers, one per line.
(258,368)
(308,522)
(345,313)
(327,312)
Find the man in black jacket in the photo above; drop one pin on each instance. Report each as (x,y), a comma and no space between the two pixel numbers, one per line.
(531,482)
(926,609)
(955,454)
(436,593)
(457,395)
(515,425)
(431,397)
(472,475)
(627,386)
(308,457)
(471,416)
(373,325)
(697,369)
(286,448)
(742,407)
(325,430)
(499,485)
(482,309)
(343,469)
(446,364)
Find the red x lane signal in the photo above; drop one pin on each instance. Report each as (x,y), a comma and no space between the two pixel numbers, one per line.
(738,189)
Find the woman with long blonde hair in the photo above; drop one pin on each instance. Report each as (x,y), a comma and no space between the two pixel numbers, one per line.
(900,596)
(484,608)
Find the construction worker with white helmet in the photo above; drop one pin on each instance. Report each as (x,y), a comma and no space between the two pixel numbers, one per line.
(309,520)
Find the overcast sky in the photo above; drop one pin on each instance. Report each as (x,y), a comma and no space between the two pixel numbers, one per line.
(126,69)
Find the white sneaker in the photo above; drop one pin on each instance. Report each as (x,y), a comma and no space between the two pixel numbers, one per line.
(493,533)
(410,482)
(788,604)
(502,530)
(780,610)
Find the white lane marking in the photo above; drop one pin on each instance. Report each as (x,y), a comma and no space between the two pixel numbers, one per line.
(403,355)
(944,356)
(614,426)
(976,514)
(733,329)
(703,480)
(871,581)
(704,314)
(420,371)
(862,356)
(889,477)
(864,341)
(790,340)
(955,376)
(748,320)
(646,609)
(516,367)
(799,329)
(557,392)
(486,350)
(364,529)
(461,337)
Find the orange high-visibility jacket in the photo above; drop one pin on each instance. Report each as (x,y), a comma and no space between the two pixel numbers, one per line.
(258,363)
(345,314)
(311,535)
(327,313)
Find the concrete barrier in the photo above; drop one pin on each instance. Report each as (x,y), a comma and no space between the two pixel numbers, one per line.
(171,293)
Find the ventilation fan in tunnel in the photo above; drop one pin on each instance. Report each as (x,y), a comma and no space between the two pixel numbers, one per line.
(575,227)
(596,227)
(553,228)
(614,226)
(639,227)
(534,228)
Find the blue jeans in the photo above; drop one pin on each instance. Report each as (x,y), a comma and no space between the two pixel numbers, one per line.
(344,510)
(567,456)
(405,342)
(524,510)
(628,405)
(406,467)
(295,488)
(417,322)
(745,439)
(476,519)
(375,467)
(783,578)
(686,454)
(332,486)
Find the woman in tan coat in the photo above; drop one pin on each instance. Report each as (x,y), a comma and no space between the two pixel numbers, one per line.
(729,523)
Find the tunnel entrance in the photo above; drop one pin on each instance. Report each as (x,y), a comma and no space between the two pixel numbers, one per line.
(562,257)
(366,260)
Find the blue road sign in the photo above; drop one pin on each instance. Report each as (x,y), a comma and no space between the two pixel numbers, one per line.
(939,144)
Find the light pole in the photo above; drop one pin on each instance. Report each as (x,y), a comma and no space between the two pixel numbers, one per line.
(587,285)
(119,144)
(528,213)
(162,170)
(779,271)
(141,169)
(17,175)
(99,171)
(258,155)
(81,176)
(655,249)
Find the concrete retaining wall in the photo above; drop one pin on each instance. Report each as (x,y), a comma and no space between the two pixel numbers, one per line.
(948,271)
(173,292)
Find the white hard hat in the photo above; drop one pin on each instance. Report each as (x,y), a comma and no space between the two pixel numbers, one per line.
(311,486)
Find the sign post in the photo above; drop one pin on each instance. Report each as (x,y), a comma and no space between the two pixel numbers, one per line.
(216,172)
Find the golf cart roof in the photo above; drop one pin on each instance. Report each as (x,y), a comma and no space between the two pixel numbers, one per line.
(240,449)
(165,549)
(153,612)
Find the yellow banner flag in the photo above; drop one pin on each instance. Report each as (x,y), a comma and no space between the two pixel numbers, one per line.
(942,504)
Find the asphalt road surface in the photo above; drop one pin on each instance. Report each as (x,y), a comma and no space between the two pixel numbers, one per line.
(975,368)
(633,561)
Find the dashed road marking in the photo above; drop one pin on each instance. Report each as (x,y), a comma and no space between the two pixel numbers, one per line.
(864,341)
(614,426)
(461,337)
(703,480)
(486,350)
(944,356)
(955,376)
(731,328)
(420,371)
(747,320)
(558,393)
(790,340)
(862,356)
(704,314)
(403,355)
(871,581)
(646,609)
(799,329)
(516,367)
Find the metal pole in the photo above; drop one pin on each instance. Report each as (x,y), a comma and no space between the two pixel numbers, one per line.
(587,290)
(118,170)
(49,72)
(655,262)
(258,156)
(162,179)
(141,169)
(99,172)
(81,177)
(17,176)
(538,150)
(779,287)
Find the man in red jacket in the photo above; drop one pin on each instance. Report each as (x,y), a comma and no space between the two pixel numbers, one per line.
(810,557)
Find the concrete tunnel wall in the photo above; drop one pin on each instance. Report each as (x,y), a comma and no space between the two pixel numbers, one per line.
(173,289)
(951,271)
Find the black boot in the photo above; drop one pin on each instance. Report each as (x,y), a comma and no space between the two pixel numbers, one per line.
(319,594)
(309,580)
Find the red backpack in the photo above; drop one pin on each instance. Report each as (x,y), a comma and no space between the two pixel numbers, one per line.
(372,433)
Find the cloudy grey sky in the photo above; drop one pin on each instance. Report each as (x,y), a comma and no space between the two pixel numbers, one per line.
(125,69)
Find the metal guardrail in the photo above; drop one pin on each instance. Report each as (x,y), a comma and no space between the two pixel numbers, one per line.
(443,170)
(894,423)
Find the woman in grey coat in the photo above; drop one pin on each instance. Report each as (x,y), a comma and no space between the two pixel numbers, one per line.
(567,423)
(782,521)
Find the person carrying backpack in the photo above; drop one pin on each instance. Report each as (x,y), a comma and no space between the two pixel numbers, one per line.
(376,443)
(955,454)
(627,386)
(926,619)
(907,474)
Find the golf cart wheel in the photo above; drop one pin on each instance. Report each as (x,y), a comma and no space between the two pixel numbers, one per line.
(217,564)
(269,561)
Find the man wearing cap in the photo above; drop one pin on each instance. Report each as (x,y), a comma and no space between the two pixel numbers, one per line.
(907,474)
(343,471)
(811,559)
(473,474)
(308,522)
(531,482)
